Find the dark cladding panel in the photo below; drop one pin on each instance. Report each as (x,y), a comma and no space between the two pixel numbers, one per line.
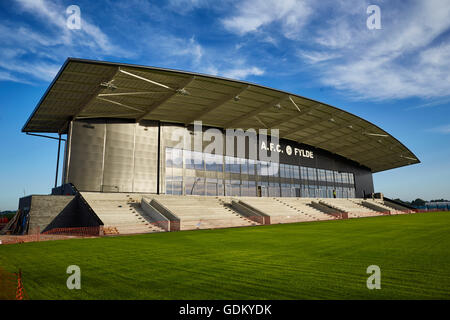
(363,183)
(86,155)
(118,170)
(325,161)
(146,158)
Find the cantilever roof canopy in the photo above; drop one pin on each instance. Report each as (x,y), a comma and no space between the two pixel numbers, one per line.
(86,89)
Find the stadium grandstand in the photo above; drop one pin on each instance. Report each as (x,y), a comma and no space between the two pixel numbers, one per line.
(133,162)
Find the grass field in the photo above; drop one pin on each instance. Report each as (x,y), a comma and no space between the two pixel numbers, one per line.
(320,260)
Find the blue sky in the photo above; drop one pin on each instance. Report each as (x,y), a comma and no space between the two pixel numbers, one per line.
(397,77)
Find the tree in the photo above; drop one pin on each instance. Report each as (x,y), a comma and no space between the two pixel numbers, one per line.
(418,202)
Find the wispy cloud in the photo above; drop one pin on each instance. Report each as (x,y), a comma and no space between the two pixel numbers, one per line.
(29,53)
(433,103)
(251,16)
(407,58)
(54,13)
(445,129)
(242,73)
(316,56)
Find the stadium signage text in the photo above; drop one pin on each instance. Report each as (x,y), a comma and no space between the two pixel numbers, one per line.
(288,150)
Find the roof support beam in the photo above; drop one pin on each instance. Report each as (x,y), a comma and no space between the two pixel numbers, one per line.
(86,101)
(290,98)
(294,116)
(166,97)
(126,93)
(255,112)
(216,104)
(120,104)
(108,115)
(262,122)
(145,79)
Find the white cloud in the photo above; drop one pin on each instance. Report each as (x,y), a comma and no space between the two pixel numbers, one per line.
(238,73)
(241,73)
(6,76)
(28,52)
(407,58)
(55,14)
(39,70)
(316,56)
(176,49)
(252,15)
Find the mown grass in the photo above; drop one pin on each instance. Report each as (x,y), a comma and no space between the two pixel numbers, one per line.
(320,260)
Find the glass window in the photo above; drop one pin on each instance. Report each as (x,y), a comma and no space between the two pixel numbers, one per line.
(213,162)
(351,178)
(304,173)
(251,166)
(263,169)
(235,188)
(312,191)
(174,158)
(344,176)
(236,166)
(352,193)
(337,177)
(322,192)
(251,188)
(228,187)
(329,175)
(232,164)
(228,163)
(273,169)
(177,185)
(330,192)
(296,172)
(189,159)
(195,186)
(244,188)
(244,165)
(211,187)
(168,157)
(274,189)
(321,174)
(282,170)
(312,174)
(220,188)
(177,158)
(304,191)
(285,190)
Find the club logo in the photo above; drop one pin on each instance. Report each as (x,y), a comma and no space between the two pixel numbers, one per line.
(288,150)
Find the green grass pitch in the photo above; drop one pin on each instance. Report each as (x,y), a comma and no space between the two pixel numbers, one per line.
(318,260)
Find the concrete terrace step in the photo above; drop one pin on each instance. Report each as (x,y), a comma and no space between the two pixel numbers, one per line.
(196,212)
(120,213)
(123,213)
